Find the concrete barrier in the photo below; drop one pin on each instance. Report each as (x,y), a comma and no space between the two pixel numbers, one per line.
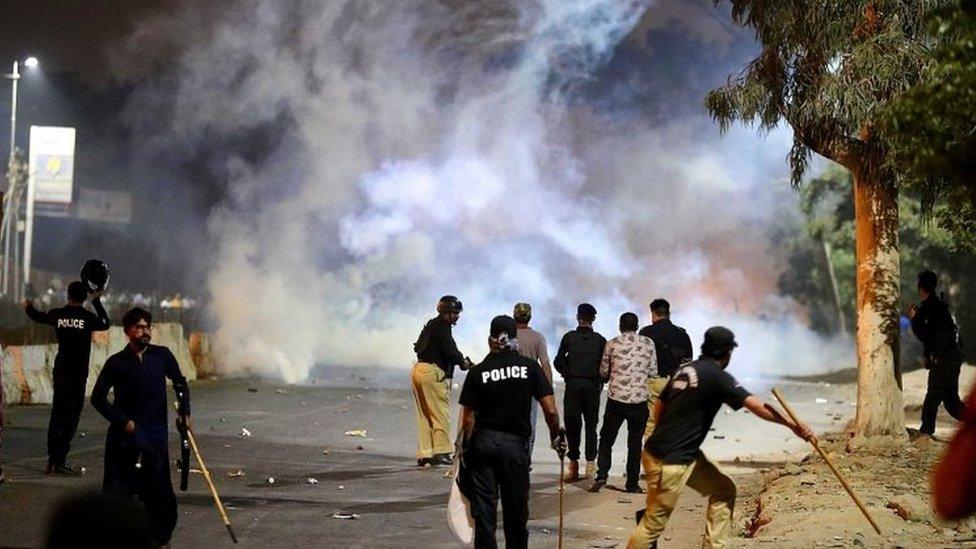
(27,370)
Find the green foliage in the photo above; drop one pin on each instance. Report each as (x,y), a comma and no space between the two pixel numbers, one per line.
(827,215)
(933,125)
(828,69)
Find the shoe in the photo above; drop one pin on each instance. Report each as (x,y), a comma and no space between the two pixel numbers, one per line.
(423,462)
(597,484)
(572,471)
(441,459)
(590,469)
(634,490)
(63,470)
(639,515)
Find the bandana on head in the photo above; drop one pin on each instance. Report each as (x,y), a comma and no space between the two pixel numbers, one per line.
(506,343)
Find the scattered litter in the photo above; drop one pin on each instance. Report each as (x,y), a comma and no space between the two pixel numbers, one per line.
(360,448)
(84,470)
(345,515)
(271,480)
(718,437)
(236,474)
(325,452)
(547,531)
(252,390)
(196,471)
(281,391)
(303,403)
(341,487)
(223,420)
(83,434)
(245,433)
(360,397)
(839,402)
(312,480)
(356,433)
(821,400)
(226,445)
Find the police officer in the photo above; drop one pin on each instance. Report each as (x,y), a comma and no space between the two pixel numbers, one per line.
(672,347)
(933,325)
(437,355)
(672,456)
(496,399)
(578,361)
(73,325)
(136,446)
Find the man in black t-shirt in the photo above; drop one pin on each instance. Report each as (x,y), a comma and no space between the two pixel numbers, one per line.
(73,324)
(496,401)
(672,456)
(672,347)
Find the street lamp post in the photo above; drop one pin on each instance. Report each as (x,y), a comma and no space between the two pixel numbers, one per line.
(11,199)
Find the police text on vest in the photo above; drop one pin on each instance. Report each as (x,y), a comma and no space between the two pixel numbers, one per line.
(508,372)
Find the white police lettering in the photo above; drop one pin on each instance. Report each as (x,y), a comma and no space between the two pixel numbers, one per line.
(71,323)
(686,377)
(508,372)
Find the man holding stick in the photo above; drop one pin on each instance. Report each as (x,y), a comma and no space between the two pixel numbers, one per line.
(136,447)
(672,456)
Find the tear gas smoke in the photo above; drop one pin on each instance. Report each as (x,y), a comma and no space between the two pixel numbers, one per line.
(423,147)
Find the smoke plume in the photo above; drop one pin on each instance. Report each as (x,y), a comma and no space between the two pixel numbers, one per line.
(377,155)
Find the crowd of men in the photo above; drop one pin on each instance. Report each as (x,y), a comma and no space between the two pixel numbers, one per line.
(667,399)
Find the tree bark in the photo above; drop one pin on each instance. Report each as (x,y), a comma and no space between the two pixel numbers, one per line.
(879,399)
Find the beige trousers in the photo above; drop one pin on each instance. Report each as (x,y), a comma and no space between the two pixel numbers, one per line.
(432,410)
(665,481)
(655,386)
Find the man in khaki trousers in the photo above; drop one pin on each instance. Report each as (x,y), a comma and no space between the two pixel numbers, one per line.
(672,456)
(437,355)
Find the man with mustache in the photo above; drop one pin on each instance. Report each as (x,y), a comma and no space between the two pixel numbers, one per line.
(136,447)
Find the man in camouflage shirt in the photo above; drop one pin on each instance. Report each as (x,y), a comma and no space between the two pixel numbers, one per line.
(628,360)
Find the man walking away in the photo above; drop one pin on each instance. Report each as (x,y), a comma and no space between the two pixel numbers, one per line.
(437,355)
(531,344)
(137,443)
(628,362)
(578,361)
(495,400)
(933,326)
(672,455)
(672,349)
(73,325)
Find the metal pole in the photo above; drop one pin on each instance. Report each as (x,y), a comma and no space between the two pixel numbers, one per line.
(28,234)
(11,184)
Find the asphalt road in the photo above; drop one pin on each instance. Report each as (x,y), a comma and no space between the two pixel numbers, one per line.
(374,476)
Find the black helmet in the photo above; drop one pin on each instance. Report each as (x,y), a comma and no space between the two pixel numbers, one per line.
(449,304)
(95,275)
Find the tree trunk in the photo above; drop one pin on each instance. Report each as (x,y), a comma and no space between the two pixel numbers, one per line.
(879,400)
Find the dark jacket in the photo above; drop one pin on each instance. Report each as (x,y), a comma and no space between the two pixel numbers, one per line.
(934,327)
(73,325)
(436,345)
(672,344)
(140,387)
(579,355)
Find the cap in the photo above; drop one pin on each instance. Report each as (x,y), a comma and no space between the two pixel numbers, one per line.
(586,310)
(503,324)
(522,310)
(719,338)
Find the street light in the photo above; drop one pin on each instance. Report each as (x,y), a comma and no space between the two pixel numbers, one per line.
(11,203)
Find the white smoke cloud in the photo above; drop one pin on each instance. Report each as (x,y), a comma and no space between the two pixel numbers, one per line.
(427,148)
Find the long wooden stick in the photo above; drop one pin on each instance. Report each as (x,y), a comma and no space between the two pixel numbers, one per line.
(840,477)
(210,483)
(561,472)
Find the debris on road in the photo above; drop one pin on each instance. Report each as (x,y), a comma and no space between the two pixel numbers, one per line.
(236,474)
(271,480)
(345,515)
(356,433)
(821,400)
(281,391)
(325,452)
(245,433)
(312,480)
(252,389)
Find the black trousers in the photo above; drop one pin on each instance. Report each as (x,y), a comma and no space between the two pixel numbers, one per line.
(150,482)
(581,406)
(943,389)
(498,462)
(613,416)
(69,399)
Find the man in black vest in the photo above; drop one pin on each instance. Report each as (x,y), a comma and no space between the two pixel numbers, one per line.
(673,348)
(578,361)
(73,325)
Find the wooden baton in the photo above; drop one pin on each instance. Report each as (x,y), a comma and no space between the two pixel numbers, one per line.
(840,477)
